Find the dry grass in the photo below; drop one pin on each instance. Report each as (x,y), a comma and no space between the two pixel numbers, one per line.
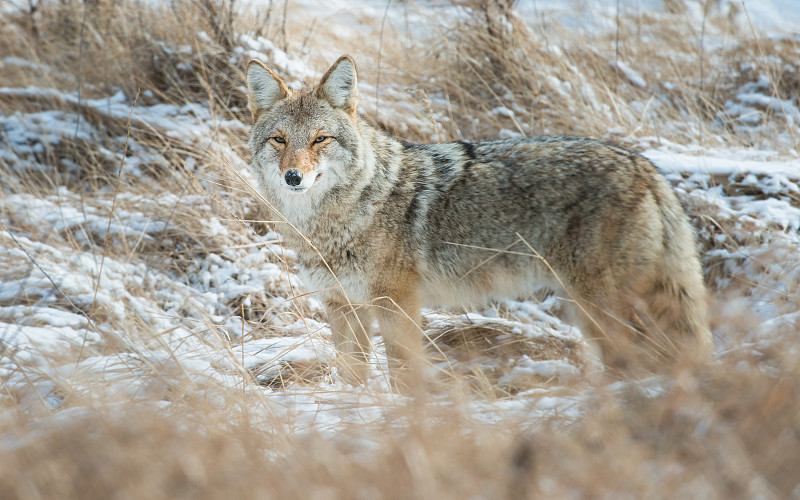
(730,434)
(560,80)
(149,424)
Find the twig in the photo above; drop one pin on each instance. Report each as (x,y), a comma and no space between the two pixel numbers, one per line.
(80,77)
(75,159)
(380,53)
(616,53)
(284,38)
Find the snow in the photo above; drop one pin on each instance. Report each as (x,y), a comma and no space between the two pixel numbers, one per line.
(267,353)
(51,338)
(46,315)
(672,162)
(502,111)
(550,369)
(772,17)
(780,212)
(632,75)
(262,49)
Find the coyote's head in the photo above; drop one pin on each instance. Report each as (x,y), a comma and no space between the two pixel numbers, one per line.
(302,140)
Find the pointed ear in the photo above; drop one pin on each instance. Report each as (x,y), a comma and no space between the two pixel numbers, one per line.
(339,86)
(264,88)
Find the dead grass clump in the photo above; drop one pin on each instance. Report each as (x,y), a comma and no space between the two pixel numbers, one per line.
(728,431)
(741,253)
(182,52)
(655,76)
(270,309)
(287,373)
(258,218)
(486,355)
(531,79)
(252,307)
(138,454)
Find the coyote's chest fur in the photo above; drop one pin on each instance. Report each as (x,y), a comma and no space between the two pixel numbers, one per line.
(333,261)
(393,226)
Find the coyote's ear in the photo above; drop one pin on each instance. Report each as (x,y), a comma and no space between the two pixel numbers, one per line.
(339,86)
(264,88)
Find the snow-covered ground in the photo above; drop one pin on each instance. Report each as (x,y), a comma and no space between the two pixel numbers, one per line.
(150,289)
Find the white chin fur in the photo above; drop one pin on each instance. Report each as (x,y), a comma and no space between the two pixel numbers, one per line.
(298,203)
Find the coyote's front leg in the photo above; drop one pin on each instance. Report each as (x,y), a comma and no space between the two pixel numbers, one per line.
(400,323)
(350,327)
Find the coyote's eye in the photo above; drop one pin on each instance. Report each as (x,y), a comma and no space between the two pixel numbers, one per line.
(320,138)
(278,139)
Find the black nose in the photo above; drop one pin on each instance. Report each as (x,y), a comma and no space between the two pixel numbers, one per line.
(293,177)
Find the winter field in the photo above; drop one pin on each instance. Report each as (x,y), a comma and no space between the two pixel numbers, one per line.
(155,341)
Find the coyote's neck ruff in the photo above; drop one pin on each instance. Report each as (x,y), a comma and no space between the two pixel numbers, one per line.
(380,227)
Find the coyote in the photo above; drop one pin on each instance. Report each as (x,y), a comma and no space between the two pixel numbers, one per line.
(380,227)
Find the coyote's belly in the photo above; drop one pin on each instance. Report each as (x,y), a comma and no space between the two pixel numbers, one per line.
(485,282)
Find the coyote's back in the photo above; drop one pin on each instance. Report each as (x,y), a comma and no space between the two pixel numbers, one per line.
(392,226)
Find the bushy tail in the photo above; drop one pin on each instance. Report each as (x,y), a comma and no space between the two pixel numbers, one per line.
(677,301)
